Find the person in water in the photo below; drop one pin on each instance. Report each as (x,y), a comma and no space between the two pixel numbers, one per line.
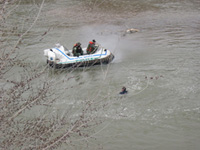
(124,91)
(77,50)
(91,47)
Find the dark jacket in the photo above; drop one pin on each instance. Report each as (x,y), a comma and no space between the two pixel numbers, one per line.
(77,50)
(123,92)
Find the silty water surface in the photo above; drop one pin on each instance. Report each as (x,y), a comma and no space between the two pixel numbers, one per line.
(159,65)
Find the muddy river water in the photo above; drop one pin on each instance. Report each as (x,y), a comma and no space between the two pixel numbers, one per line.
(159,65)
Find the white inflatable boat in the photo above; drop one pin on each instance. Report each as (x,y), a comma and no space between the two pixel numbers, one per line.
(61,57)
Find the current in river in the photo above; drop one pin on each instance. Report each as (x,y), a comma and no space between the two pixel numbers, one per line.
(158,64)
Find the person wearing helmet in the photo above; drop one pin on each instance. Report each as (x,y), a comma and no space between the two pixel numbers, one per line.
(77,50)
(91,47)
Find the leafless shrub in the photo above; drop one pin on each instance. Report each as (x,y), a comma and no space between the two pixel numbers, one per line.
(27,95)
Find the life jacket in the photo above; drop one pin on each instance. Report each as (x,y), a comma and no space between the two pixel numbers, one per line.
(90,48)
(73,51)
(75,45)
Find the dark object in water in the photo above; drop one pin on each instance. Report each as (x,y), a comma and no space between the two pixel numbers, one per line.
(124,91)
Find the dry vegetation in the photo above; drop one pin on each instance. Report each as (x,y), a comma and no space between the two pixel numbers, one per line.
(27,120)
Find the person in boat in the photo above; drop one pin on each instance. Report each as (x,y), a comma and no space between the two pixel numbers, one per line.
(77,50)
(91,47)
(124,91)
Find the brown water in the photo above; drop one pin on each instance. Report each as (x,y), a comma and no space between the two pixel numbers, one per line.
(159,66)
